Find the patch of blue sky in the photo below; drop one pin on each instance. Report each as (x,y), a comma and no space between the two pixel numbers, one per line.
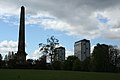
(10,19)
(102,40)
(39,35)
(102,19)
(8,31)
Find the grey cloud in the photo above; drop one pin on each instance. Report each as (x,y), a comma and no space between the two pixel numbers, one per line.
(79,14)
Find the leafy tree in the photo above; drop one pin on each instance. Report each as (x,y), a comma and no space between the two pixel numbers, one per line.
(42,60)
(100,57)
(76,65)
(0,60)
(30,62)
(85,65)
(0,57)
(57,65)
(10,60)
(6,58)
(48,49)
(105,58)
(114,55)
(68,64)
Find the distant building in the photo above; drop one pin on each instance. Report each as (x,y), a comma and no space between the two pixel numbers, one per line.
(59,54)
(82,49)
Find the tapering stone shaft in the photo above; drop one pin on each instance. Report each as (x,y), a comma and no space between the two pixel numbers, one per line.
(21,54)
(21,43)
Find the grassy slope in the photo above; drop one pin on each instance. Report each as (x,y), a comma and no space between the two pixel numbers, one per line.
(55,75)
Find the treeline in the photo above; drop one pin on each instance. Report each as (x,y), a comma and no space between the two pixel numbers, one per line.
(104,58)
(10,62)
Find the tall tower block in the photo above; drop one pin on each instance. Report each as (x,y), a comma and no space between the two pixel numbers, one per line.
(21,54)
(82,49)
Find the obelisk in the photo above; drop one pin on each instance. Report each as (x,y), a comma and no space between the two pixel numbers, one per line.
(21,54)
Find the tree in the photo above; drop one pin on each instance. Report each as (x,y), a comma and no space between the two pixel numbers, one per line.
(48,49)
(6,58)
(0,57)
(69,63)
(6,61)
(10,60)
(0,60)
(76,65)
(105,58)
(114,55)
(85,65)
(30,62)
(100,57)
(57,65)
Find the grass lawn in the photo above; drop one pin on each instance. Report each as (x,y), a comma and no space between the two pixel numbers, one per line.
(7,74)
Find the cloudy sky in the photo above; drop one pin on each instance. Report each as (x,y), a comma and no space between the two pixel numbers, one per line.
(67,20)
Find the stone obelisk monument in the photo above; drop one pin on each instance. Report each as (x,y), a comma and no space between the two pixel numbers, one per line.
(21,54)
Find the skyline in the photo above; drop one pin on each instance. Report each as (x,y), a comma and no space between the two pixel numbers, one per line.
(99,24)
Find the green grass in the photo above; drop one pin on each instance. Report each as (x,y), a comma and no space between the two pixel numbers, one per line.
(7,74)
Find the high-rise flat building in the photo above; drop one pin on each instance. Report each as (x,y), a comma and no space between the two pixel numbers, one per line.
(82,49)
(59,54)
